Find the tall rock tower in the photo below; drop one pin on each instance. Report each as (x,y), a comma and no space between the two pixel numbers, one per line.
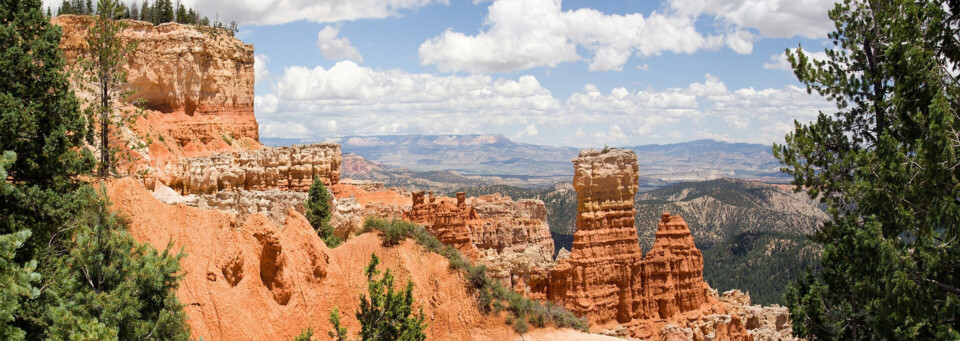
(598,280)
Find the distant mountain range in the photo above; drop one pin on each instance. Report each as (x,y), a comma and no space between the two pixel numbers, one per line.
(498,156)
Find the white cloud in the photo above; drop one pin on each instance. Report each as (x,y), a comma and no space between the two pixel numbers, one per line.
(336,48)
(773,18)
(260,71)
(349,99)
(523,34)
(613,137)
(530,130)
(367,101)
(780,61)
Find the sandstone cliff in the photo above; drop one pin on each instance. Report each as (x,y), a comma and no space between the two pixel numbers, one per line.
(284,168)
(196,84)
(264,281)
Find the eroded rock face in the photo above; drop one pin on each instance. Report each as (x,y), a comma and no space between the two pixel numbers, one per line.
(446,220)
(506,226)
(601,279)
(198,81)
(285,168)
(242,203)
(660,296)
(673,270)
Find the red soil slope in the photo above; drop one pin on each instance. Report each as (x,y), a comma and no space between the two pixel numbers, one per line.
(260,281)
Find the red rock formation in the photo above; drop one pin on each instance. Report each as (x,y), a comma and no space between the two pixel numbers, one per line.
(673,271)
(284,168)
(196,84)
(504,225)
(269,282)
(606,278)
(601,278)
(446,220)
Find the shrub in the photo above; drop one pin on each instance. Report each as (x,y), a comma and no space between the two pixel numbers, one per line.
(305,335)
(394,231)
(489,293)
(386,314)
(520,325)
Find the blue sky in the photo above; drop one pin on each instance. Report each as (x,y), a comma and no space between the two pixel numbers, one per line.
(574,73)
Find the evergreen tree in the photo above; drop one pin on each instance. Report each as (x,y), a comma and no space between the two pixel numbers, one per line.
(135,11)
(887,166)
(182,16)
(88,7)
(41,123)
(317,209)
(130,295)
(15,279)
(163,12)
(103,74)
(386,314)
(111,287)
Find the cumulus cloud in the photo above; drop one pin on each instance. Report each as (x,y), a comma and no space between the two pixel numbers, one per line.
(368,101)
(260,71)
(780,61)
(530,130)
(773,18)
(522,34)
(349,99)
(336,48)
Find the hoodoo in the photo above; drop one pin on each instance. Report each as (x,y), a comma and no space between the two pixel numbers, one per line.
(601,280)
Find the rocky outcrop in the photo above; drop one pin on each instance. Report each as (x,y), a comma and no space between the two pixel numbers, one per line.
(242,203)
(285,168)
(263,281)
(659,296)
(446,220)
(601,279)
(673,271)
(195,82)
(346,217)
(505,225)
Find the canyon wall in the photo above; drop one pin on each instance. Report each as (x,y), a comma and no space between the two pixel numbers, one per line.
(284,168)
(196,84)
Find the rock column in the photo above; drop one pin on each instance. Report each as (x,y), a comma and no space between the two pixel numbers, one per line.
(600,279)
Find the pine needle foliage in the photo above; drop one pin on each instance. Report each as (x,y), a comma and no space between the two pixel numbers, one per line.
(886,164)
(385,314)
(318,212)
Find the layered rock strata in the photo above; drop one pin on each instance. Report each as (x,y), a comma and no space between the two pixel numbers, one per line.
(673,270)
(602,278)
(285,168)
(505,226)
(446,220)
(196,81)
(607,279)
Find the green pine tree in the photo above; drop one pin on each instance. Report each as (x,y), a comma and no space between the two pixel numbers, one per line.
(15,279)
(111,287)
(385,314)
(41,123)
(317,209)
(102,73)
(887,166)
